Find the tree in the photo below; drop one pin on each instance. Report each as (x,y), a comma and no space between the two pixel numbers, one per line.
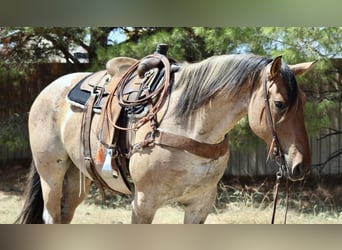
(297,44)
(39,44)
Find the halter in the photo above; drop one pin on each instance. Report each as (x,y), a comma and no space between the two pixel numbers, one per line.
(275,152)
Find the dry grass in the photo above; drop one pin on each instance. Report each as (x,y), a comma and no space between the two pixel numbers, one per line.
(238,202)
(233,213)
(241,211)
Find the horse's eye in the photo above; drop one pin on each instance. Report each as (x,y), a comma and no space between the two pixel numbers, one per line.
(280,105)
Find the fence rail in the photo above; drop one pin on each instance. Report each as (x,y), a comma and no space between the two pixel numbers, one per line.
(323,147)
(16,99)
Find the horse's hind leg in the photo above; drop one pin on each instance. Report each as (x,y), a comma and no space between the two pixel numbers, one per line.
(52,177)
(73,193)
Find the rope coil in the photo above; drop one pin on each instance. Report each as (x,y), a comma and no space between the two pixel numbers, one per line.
(118,92)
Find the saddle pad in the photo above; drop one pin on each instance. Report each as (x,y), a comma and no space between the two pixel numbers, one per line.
(115,68)
(78,96)
(80,93)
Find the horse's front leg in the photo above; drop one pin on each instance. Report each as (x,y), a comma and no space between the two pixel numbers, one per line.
(197,209)
(143,208)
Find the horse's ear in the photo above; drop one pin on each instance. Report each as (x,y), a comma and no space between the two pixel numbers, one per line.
(301,68)
(275,66)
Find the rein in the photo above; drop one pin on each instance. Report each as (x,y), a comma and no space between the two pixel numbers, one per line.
(275,153)
(275,197)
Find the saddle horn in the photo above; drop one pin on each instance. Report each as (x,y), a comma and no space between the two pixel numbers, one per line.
(152,62)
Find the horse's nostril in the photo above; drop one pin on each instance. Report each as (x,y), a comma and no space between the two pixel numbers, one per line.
(297,170)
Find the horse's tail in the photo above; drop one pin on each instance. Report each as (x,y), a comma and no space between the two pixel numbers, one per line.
(32,212)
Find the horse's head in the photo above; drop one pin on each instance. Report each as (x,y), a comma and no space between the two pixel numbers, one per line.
(276,115)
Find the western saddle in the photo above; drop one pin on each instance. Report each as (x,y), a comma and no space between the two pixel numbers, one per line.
(127,90)
(127,95)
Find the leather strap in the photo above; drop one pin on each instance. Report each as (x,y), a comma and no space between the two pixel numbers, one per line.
(85,140)
(210,151)
(275,197)
(275,151)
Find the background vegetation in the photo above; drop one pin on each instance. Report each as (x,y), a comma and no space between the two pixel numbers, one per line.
(23,48)
(29,56)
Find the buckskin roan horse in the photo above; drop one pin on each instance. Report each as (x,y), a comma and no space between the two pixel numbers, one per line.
(205,101)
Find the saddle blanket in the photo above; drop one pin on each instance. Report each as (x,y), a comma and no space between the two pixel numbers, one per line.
(115,68)
(80,93)
(101,81)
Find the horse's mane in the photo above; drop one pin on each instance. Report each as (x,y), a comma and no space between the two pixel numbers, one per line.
(226,73)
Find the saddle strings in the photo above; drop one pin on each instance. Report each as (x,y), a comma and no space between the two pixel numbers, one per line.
(82,187)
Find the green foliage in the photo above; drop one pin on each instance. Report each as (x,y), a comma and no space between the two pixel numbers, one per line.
(24,45)
(242,137)
(183,43)
(317,115)
(14,134)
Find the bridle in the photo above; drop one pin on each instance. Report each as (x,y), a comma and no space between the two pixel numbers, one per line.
(275,152)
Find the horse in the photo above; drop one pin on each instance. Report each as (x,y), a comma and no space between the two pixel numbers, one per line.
(205,101)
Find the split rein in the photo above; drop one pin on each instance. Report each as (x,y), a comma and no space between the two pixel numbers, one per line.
(275,153)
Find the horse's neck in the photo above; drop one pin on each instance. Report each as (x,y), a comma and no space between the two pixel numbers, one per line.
(211,122)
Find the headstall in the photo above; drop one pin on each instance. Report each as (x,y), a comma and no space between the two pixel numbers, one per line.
(275,152)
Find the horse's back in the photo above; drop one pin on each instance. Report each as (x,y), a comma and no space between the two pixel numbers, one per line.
(46,114)
(52,92)
(52,97)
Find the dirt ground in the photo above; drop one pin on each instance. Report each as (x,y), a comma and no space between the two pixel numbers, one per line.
(314,196)
(12,179)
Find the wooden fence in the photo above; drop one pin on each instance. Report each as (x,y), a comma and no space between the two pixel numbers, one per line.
(323,147)
(16,99)
(17,94)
